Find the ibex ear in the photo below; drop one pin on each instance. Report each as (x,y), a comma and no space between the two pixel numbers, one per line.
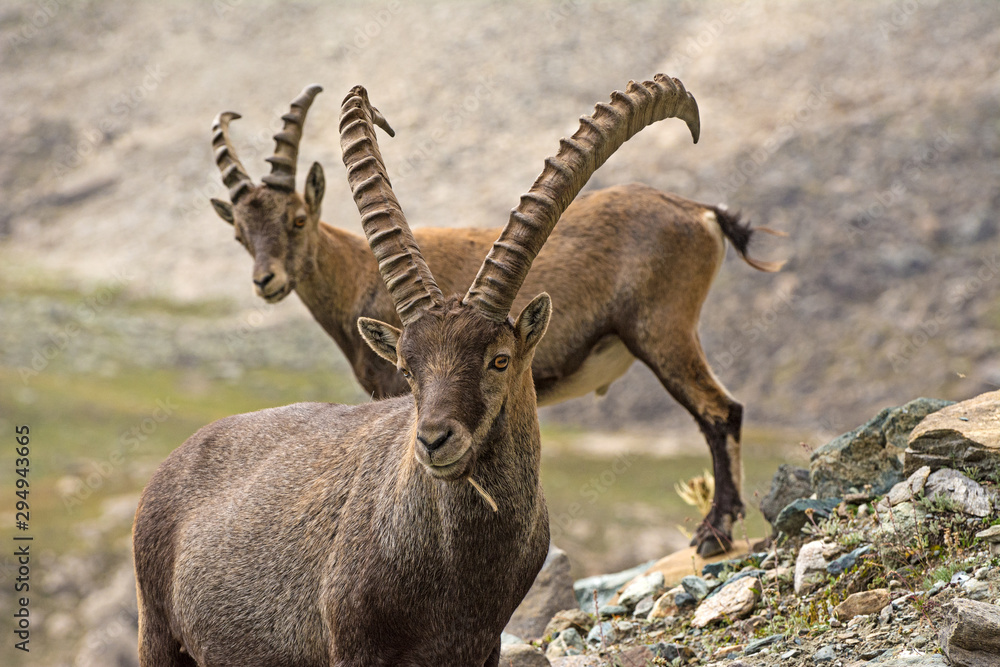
(315,187)
(533,321)
(380,337)
(224,209)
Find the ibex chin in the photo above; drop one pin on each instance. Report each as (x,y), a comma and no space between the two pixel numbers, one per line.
(399,532)
(629,268)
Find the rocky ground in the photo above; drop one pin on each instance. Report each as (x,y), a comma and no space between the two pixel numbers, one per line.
(896,571)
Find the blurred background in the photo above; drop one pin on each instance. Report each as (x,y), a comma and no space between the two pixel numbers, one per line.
(869,132)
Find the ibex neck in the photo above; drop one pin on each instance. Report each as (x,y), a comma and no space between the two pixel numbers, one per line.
(339,272)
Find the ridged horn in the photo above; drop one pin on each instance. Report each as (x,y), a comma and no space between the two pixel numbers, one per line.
(234,176)
(286,142)
(598,136)
(406,275)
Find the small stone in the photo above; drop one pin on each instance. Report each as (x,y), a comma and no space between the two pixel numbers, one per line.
(981,573)
(788,655)
(522,655)
(684,599)
(758,644)
(606,585)
(665,604)
(644,606)
(824,654)
(696,587)
(610,610)
(992,536)
(788,485)
(608,629)
(795,516)
(569,618)
(507,638)
(645,586)
(970,497)
(551,591)
(734,601)
(866,602)
(810,566)
(671,652)
(568,642)
(976,589)
(847,561)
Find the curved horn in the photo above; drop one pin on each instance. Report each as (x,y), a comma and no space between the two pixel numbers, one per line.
(599,135)
(403,268)
(234,176)
(286,142)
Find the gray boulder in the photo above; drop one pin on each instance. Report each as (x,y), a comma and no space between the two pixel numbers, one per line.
(551,592)
(963,435)
(970,634)
(870,454)
(788,484)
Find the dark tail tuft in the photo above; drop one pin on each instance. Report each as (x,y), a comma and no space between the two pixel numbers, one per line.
(739,234)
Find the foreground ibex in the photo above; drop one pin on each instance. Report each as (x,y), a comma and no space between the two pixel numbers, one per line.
(402,531)
(629,268)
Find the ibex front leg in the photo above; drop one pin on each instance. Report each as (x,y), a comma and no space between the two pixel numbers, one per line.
(677,360)
(494,659)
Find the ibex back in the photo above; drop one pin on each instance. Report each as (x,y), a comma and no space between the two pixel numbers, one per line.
(404,531)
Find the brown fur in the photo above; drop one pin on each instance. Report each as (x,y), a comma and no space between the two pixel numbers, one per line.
(312,535)
(647,306)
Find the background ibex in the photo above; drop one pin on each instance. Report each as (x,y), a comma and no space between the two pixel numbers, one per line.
(320,534)
(629,268)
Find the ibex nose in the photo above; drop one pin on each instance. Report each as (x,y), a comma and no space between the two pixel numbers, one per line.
(434,439)
(264,280)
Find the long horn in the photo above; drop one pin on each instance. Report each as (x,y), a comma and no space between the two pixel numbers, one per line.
(286,148)
(403,268)
(234,176)
(599,135)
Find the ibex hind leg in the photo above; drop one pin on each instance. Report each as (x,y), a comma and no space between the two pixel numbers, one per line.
(494,659)
(677,360)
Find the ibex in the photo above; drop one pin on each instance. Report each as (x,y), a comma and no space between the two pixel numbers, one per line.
(628,266)
(399,532)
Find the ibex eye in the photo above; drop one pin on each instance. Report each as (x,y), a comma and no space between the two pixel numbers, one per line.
(500,362)
(405,373)
(300,221)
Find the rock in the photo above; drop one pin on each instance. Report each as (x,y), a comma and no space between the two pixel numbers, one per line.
(965,434)
(568,642)
(606,585)
(507,638)
(810,565)
(551,591)
(870,454)
(901,521)
(976,589)
(671,652)
(112,620)
(568,618)
(760,574)
(734,564)
(643,607)
(968,495)
(758,644)
(665,605)
(522,655)
(641,587)
(992,536)
(906,491)
(970,634)
(824,654)
(609,610)
(788,484)
(684,561)
(847,561)
(793,518)
(608,630)
(696,587)
(734,601)
(865,602)
(684,599)
(577,661)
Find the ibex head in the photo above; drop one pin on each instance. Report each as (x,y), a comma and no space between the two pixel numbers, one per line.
(466,361)
(272,221)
